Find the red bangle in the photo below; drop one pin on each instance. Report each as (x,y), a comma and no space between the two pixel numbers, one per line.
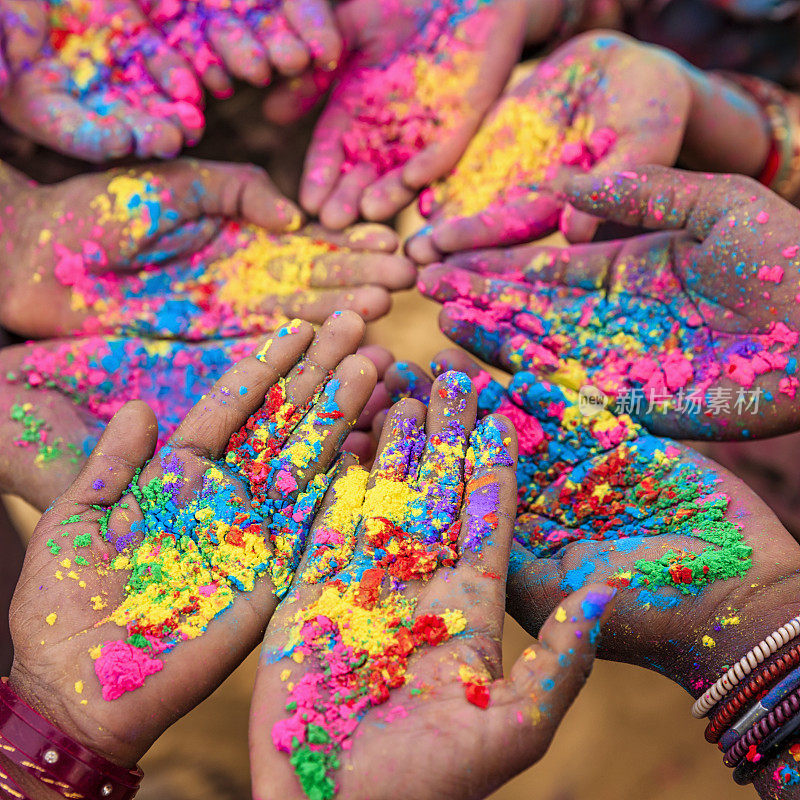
(66,766)
(11,788)
(771,165)
(752,691)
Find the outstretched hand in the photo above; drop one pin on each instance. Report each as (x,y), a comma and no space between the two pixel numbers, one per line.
(386,652)
(118,620)
(694,331)
(165,250)
(601,102)
(407,98)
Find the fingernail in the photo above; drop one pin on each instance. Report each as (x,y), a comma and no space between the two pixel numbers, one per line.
(596,602)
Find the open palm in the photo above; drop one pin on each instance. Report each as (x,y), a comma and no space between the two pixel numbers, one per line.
(694,331)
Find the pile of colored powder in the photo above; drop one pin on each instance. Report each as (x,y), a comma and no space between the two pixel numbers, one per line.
(604,478)
(188,558)
(417,96)
(513,155)
(521,147)
(655,343)
(102,374)
(239,283)
(356,639)
(100,50)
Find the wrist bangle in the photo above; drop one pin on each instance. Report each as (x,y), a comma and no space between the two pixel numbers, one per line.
(28,740)
(781,108)
(747,768)
(11,788)
(745,666)
(754,690)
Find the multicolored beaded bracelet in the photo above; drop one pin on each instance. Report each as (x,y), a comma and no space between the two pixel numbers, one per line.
(752,691)
(748,767)
(28,740)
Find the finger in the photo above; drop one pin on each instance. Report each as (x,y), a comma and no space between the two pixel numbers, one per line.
(317,439)
(287,52)
(339,269)
(400,444)
(503,224)
(404,379)
(153,136)
(361,445)
(450,419)
(240,392)
(314,23)
(653,197)
(324,159)
(128,441)
(243,56)
(443,283)
(369,302)
(386,196)
(378,401)
(24,31)
(181,242)
(548,676)
(480,332)
(578,226)
(342,206)
(170,70)
(379,356)
(367,237)
(420,247)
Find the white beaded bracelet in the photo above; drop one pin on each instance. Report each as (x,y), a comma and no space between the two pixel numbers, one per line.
(742,668)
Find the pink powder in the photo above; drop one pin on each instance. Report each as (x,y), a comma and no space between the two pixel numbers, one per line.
(773,274)
(122,668)
(528,429)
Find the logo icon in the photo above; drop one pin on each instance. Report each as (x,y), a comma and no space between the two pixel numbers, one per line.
(591,401)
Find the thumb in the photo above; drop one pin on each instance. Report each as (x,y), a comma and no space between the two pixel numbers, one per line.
(651,197)
(549,674)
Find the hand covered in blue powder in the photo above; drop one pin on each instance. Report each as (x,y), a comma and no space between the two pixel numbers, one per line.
(695,331)
(600,499)
(114,619)
(393,626)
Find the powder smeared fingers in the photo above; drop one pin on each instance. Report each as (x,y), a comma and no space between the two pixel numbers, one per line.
(341,208)
(407,379)
(314,23)
(362,237)
(386,196)
(355,269)
(316,440)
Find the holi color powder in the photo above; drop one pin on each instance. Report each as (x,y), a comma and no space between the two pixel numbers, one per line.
(513,155)
(353,643)
(239,283)
(418,93)
(189,556)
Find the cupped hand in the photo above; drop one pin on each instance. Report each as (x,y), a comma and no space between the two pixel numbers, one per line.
(410,93)
(248,39)
(704,567)
(380,674)
(151,578)
(57,396)
(164,251)
(105,85)
(694,331)
(599,103)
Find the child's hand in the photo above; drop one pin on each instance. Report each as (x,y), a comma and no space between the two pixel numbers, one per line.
(115,616)
(601,102)
(246,39)
(105,86)
(705,568)
(57,396)
(147,251)
(693,331)
(385,656)
(408,98)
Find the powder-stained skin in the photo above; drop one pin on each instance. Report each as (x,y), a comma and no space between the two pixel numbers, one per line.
(698,325)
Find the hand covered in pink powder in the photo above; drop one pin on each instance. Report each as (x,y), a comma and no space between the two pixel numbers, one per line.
(417,79)
(394,621)
(105,85)
(151,578)
(247,39)
(149,250)
(694,331)
(601,500)
(600,102)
